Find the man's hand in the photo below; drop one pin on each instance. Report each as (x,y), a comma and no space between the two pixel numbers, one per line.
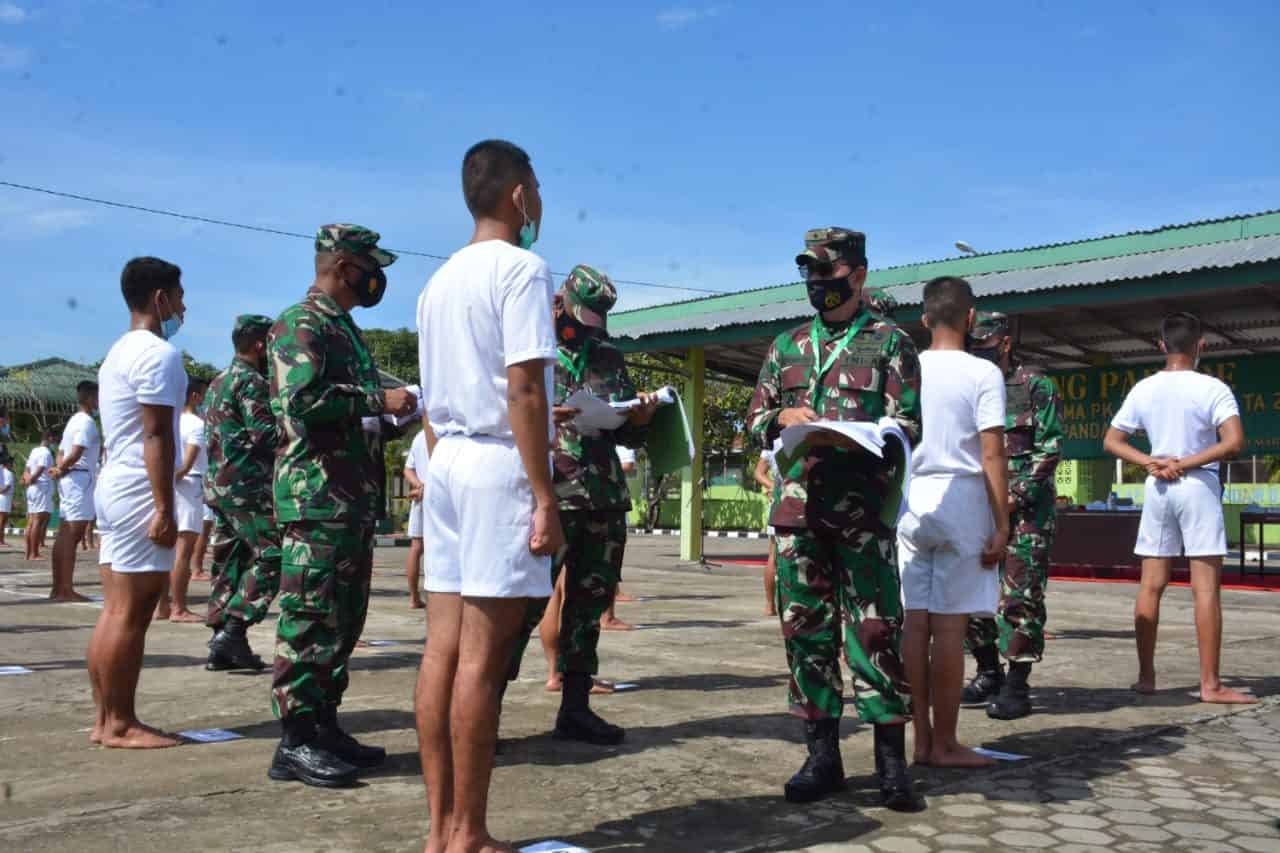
(416,493)
(793,417)
(563,414)
(643,413)
(55,472)
(1012,503)
(548,536)
(1164,468)
(995,548)
(162,530)
(399,401)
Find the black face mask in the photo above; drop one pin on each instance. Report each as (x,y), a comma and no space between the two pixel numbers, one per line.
(991,354)
(370,289)
(828,294)
(570,332)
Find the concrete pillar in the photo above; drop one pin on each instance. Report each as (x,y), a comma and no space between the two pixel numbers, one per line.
(694,396)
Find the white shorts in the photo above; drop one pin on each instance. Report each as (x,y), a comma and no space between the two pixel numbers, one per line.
(208,514)
(940,542)
(75,491)
(477,522)
(415,520)
(1182,516)
(6,502)
(40,498)
(125,506)
(188,504)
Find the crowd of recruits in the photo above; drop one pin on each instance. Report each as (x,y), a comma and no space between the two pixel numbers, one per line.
(486,429)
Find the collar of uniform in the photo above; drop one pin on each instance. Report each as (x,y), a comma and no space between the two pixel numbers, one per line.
(827,331)
(324,302)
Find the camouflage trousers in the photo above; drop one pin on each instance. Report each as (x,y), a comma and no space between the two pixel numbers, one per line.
(841,592)
(246,566)
(324,598)
(592,561)
(1018,629)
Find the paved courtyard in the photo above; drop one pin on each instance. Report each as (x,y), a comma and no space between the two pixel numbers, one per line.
(709,743)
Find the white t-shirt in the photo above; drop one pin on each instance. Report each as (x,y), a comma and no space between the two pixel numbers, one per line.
(1179,410)
(40,457)
(418,456)
(191,428)
(486,309)
(6,482)
(141,369)
(83,432)
(960,396)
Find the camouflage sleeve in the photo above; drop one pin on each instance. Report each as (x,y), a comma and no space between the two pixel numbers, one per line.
(766,403)
(255,412)
(1037,480)
(302,391)
(902,384)
(621,388)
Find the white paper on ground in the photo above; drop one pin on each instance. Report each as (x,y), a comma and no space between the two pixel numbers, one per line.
(15,670)
(210,735)
(553,847)
(999,756)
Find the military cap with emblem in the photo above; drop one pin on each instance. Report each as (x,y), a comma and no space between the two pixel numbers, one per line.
(354,240)
(828,245)
(588,294)
(988,325)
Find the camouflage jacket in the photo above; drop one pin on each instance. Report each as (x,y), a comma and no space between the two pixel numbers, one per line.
(588,474)
(323,381)
(876,375)
(241,433)
(1032,436)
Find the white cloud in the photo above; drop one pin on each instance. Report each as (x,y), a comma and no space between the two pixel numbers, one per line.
(11,14)
(46,223)
(13,57)
(679,17)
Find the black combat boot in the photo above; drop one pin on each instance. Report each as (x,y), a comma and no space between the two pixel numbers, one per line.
(576,720)
(823,770)
(330,735)
(229,649)
(1013,702)
(986,683)
(301,757)
(891,766)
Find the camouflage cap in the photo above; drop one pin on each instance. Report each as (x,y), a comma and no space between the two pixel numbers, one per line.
(988,325)
(354,239)
(832,244)
(881,301)
(588,294)
(251,322)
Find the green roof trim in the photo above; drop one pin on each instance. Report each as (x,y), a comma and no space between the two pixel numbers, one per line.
(1096,248)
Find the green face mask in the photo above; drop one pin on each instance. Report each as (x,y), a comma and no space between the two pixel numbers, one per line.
(528,231)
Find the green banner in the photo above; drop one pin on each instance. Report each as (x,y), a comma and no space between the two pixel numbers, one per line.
(1091,397)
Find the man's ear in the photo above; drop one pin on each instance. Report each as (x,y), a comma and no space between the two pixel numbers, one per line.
(971,319)
(924,321)
(859,277)
(1163,349)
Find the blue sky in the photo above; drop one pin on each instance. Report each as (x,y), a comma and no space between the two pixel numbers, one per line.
(684,144)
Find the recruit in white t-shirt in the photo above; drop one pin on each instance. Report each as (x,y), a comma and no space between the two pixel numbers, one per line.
(1179,410)
(6,482)
(486,309)
(960,396)
(141,369)
(418,456)
(82,431)
(191,428)
(40,457)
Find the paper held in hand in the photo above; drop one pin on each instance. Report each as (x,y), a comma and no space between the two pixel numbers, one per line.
(596,415)
(883,438)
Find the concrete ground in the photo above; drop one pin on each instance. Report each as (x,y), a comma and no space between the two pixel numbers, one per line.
(709,743)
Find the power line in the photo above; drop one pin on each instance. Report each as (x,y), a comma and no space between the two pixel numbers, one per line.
(262,229)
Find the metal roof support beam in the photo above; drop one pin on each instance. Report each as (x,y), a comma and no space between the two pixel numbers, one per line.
(691,482)
(1103,319)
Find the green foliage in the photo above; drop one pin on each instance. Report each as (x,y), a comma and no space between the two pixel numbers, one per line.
(395,351)
(199,369)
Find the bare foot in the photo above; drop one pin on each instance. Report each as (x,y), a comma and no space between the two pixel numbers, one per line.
(483,844)
(600,687)
(416,604)
(615,624)
(555,683)
(65,597)
(624,598)
(200,576)
(958,756)
(138,736)
(1145,686)
(1226,696)
(162,612)
(186,616)
(95,736)
(923,746)
(771,612)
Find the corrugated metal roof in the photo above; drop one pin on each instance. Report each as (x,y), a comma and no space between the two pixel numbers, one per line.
(1222,255)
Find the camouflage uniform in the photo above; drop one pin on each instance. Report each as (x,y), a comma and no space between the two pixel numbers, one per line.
(837,567)
(326,486)
(590,486)
(1033,443)
(241,433)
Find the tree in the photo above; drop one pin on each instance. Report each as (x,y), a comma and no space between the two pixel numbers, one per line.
(395,351)
(198,369)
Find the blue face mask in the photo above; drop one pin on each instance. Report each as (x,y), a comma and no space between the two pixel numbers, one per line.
(528,231)
(170,327)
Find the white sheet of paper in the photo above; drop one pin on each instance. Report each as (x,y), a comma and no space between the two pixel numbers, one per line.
(999,756)
(553,847)
(210,735)
(15,670)
(865,433)
(594,414)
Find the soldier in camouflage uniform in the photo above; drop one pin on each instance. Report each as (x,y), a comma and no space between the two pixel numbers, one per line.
(241,433)
(593,498)
(323,381)
(1033,444)
(837,572)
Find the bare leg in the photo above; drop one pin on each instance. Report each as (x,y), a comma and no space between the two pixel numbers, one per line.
(4,522)
(915,659)
(118,644)
(946,680)
(771,580)
(180,579)
(549,634)
(43,532)
(202,546)
(431,703)
(62,558)
(610,621)
(1206,586)
(162,603)
(1146,619)
(91,657)
(413,572)
(487,637)
(619,595)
